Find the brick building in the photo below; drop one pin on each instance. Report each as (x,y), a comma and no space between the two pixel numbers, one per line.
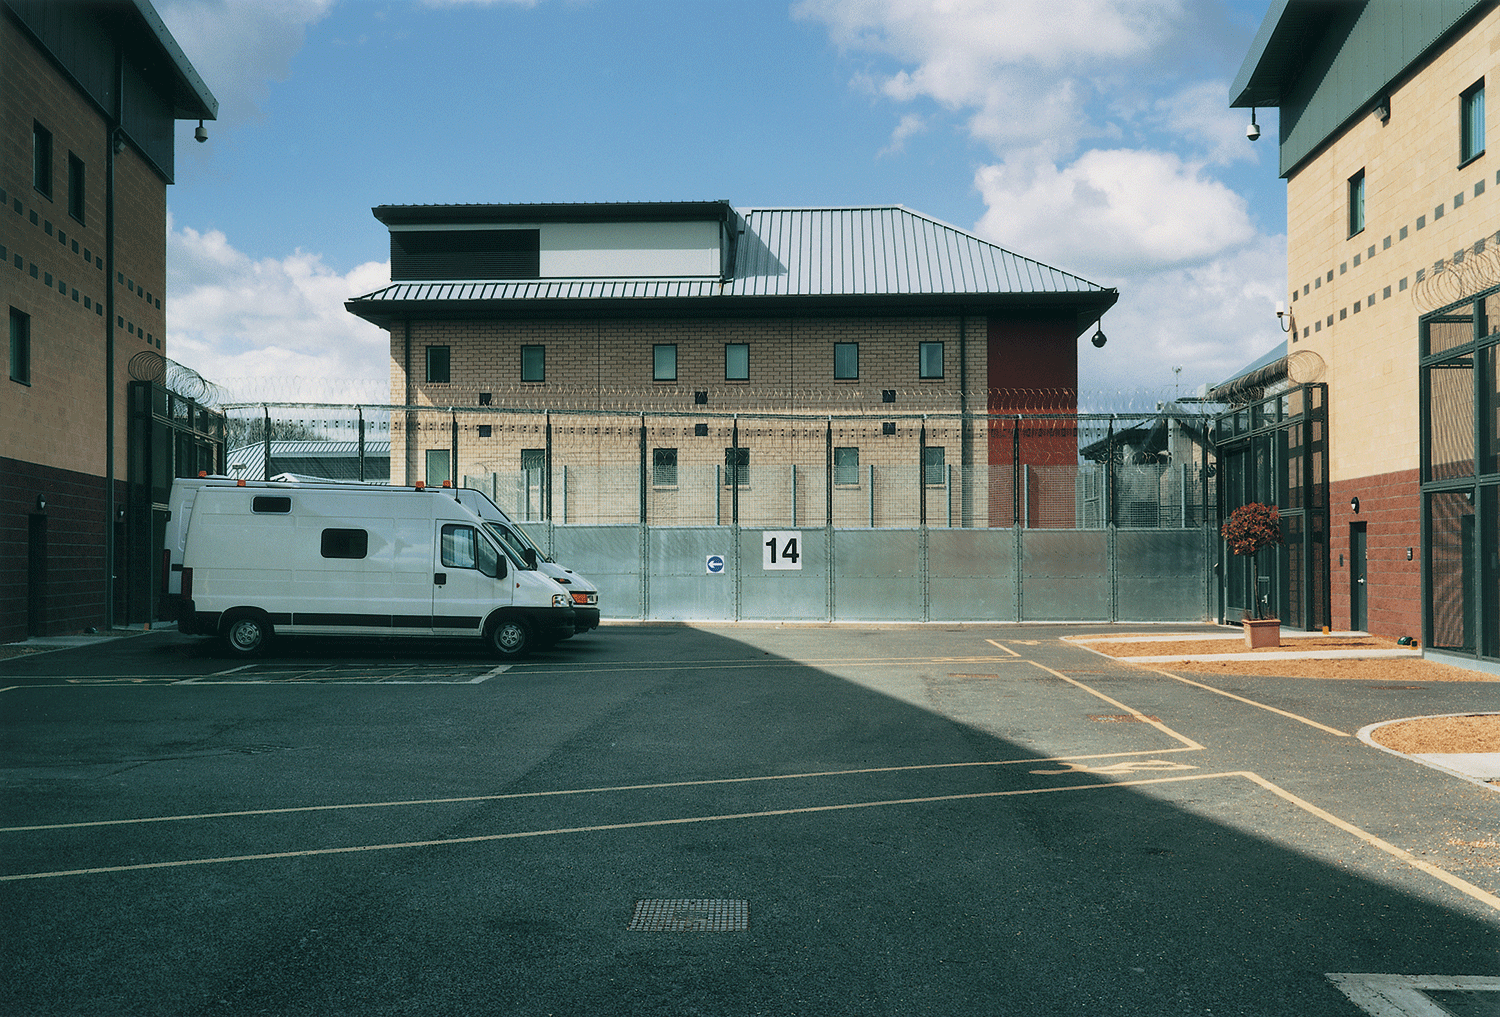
(1393,261)
(703,312)
(89,93)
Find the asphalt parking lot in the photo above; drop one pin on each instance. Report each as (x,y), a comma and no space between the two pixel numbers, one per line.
(731,820)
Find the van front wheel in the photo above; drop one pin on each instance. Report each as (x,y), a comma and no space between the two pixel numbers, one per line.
(246,635)
(509,637)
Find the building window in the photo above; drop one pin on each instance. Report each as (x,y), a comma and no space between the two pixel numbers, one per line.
(20,347)
(664,362)
(846,361)
(664,467)
(533,363)
(933,459)
(846,466)
(533,460)
(41,159)
(1471,123)
(437,467)
(736,467)
(931,360)
(736,362)
(1356,203)
(75,188)
(437,364)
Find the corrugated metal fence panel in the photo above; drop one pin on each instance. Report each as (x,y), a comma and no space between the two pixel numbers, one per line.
(876,575)
(1161,575)
(610,556)
(1065,575)
(679,586)
(971,575)
(784,594)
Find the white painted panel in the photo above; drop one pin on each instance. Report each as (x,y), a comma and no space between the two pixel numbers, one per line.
(643,249)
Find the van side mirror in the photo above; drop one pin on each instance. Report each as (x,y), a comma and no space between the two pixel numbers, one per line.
(529,554)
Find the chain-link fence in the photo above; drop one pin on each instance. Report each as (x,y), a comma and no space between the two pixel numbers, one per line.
(1045,471)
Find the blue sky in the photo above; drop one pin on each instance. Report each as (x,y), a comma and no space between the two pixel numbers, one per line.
(1092,135)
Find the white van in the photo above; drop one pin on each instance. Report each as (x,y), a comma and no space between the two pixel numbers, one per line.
(247,560)
(585,593)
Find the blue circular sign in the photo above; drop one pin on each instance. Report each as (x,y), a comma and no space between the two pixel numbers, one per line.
(715,564)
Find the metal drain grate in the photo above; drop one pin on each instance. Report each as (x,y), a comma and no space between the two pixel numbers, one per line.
(690,916)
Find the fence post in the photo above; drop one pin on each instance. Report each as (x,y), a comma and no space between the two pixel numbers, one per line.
(547,476)
(948,493)
(643,548)
(1015,471)
(872,496)
(361,411)
(266,474)
(453,464)
(794,495)
(922,473)
(828,599)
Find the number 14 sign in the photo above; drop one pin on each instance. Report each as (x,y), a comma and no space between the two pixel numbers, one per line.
(781,549)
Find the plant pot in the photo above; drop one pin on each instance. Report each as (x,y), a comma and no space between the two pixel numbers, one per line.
(1262,632)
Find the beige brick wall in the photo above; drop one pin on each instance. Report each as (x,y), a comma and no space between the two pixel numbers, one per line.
(58,420)
(1356,300)
(607,365)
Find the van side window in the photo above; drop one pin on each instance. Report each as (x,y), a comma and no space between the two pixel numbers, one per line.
(267,504)
(346,543)
(462,548)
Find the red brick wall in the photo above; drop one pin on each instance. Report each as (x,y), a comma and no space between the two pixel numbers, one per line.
(1390,506)
(1033,368)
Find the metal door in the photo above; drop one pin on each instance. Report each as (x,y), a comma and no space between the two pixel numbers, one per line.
(1358,580)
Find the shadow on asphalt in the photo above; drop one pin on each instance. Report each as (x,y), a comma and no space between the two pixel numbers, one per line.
(1103,900)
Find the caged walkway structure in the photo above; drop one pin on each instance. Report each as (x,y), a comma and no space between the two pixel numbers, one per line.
(856,517)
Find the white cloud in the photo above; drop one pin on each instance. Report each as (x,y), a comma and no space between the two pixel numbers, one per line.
(240,46)
(1201,113)
(1024,68)
(1210,319)
(1111,212)
(274,328)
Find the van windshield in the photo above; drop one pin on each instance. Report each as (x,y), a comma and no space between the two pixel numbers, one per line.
(515,540)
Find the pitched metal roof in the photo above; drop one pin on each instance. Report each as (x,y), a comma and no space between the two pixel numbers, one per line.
(885,254)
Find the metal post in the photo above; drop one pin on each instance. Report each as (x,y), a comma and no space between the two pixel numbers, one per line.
(734,478)
(872,496)
(547,474)
(643,470)
(453,447)
(1015,472)
(794,496)
(266,465)
(828,475)
(948,493)
(361,411)
(922,473)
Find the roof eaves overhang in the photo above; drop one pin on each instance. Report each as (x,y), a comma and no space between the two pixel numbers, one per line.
(622,211)
(191,98)
(1083,308)
(1280,48)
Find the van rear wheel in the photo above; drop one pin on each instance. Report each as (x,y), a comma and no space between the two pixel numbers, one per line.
(509,637)
(246,634)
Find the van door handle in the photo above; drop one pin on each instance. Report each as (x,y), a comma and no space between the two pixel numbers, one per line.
(440,578)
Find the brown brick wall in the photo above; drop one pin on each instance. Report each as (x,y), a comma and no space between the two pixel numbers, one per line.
(1390,506)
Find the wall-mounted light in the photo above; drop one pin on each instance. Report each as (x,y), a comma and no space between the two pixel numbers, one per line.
(1408,554)
(1099,340)
(1354,505)
(1284,318)
(41,503)
(1383,109)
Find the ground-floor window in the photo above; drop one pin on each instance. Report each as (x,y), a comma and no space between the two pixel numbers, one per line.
(1460,443)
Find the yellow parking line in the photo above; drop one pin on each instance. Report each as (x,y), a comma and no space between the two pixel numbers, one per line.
(580,791)
(1134,713)
(488,838)
(1007,649)
(1251,702)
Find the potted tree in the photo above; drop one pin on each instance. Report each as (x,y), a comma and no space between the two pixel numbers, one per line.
(1249,530)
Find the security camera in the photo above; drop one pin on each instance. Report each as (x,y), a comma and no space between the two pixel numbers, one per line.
(1253,131)
(1099,339)
(201,134)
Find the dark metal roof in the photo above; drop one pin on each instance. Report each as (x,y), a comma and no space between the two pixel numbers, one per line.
(787,260)
(616,211)
(1325,62)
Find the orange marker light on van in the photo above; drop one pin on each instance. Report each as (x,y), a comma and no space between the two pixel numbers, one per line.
(447,483)
(240,482)
(202,473)
(420,485)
